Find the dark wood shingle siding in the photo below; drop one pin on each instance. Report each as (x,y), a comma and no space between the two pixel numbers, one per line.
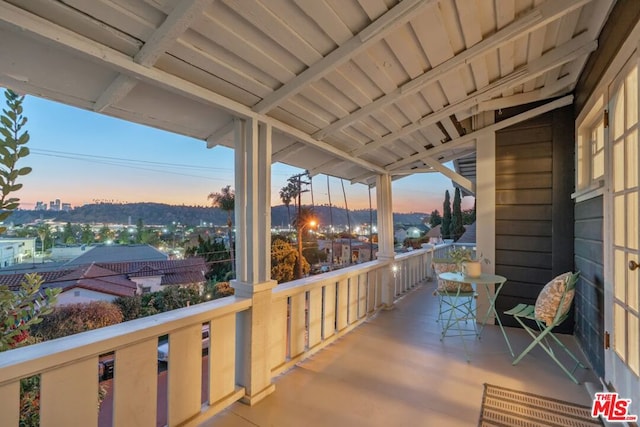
(589,297)
(534,178)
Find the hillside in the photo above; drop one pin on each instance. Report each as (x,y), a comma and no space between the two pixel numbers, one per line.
(162,214)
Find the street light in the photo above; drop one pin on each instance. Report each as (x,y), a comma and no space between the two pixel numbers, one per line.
(312,223)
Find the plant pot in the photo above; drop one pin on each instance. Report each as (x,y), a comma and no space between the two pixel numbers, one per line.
(472,268)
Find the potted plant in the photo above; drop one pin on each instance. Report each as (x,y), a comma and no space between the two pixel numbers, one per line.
(466,263)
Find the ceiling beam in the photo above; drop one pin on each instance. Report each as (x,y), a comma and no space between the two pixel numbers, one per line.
(160,41)
(218,134)
(398,15)
(538,17)
(508,101)
(471,137)
(14,18)
(287,151)
(451,174)
(567,52)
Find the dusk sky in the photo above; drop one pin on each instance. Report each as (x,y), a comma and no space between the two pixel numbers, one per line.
(80,157)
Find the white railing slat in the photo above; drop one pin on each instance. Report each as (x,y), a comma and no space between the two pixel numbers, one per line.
(353,300)
(342,304)
(69,395)
(329,312)
(135,380)
(315,317)
(298,323)
(278,332)
(222,358)
(362,295)
(10,398)
(184,386)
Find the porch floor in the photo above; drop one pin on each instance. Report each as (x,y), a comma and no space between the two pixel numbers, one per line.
(394,371)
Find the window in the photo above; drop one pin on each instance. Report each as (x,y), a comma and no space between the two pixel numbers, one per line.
(146,290)
(76,293)
(590,157)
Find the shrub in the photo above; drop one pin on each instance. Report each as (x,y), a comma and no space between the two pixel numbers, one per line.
(75,318)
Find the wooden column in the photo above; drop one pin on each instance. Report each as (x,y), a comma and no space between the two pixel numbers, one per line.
(253,256)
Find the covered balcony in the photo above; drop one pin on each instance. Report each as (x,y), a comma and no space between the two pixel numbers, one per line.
(534,101)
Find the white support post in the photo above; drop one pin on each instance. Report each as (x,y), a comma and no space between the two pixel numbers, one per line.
(253,256)
(485,204)
(385,237)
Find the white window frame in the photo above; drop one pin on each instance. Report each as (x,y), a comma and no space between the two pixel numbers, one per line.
(586,186)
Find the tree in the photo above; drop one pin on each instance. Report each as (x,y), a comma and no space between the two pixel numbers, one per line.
(12,149)
(226,200)
(215,255)
(43,233)
(446,216)
(105,234)
(140,231)
(286,195)
(87,235)
(304,219)
(22,309)
(457,229)
(435,219)
(284,260)
(67,234)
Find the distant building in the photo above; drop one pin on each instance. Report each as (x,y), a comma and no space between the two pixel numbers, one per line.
(108,281)
(119,253)
(66,207)
(40,206)
(16,250)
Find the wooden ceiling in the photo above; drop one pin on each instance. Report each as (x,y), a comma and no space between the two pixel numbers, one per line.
(352,88)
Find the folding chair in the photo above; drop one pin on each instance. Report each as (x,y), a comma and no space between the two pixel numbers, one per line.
(455,304)
(553,308)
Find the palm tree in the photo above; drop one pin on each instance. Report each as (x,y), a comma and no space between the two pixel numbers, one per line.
(287,196)
(305,218)
(226,200)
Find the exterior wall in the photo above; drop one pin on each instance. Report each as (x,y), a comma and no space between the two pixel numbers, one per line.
(589,249)
(534,210)
(152,282)
(68,253)
(85,295)
(590,288)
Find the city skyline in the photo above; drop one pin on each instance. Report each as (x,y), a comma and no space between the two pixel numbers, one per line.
(82,157)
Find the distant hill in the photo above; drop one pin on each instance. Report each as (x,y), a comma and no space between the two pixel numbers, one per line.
(162,214)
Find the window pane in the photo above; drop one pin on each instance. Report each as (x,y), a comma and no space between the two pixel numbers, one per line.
(620,273)
(618,223)
(632,220)
(619,331)
(632,339)
(632,159)
(616,116)
(618,166)
(582,182)
(631,87)
(632,284)
(598,165)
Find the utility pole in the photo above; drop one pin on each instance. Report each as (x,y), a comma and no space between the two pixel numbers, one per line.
(298,182)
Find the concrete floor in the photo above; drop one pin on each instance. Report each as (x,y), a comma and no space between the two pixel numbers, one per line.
(394,371)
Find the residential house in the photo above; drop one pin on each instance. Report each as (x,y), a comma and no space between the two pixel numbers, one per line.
(541,95)
(108,281)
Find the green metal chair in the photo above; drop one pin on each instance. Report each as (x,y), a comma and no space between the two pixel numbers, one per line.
(544,336)
(456,307)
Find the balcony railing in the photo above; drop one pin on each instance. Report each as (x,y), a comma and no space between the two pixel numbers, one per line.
(307,315)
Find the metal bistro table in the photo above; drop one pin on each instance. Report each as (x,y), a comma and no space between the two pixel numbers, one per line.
(486,280)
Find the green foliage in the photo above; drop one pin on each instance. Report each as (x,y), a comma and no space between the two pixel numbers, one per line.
(86,235)
(105,234)
(130,307)
(12,149)
(435,219)
(23,309)
(215,254)
(459,255)
(75,318)
(457,229)
(283,261)
(446,217)
(226,200)
(30,401)
(68,236)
